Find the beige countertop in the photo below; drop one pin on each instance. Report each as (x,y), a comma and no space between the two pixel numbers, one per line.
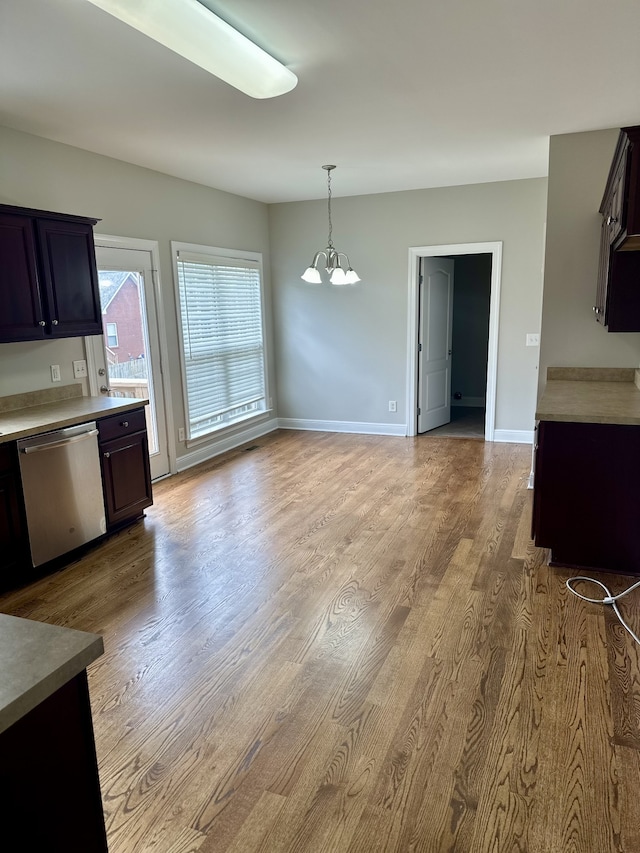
(31,420)
(36,660)
(591,395)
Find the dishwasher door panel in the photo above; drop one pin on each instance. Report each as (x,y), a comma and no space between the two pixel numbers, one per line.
(62,487)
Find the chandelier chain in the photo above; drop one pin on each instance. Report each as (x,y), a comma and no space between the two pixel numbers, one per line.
(330,242)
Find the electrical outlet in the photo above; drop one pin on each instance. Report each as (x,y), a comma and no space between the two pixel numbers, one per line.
(180,433)
(55,373)
(393,406)
(79,369)
(533,340)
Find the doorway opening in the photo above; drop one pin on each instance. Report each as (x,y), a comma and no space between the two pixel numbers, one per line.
(452,339)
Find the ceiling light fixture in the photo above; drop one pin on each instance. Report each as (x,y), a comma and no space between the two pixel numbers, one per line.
(191,30)
(337,272)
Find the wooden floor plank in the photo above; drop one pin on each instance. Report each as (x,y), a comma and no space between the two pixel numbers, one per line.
(349,643)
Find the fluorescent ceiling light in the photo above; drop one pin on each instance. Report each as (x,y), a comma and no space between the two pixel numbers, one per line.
(188,28)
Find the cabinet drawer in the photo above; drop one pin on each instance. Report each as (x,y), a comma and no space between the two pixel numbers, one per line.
(121,424)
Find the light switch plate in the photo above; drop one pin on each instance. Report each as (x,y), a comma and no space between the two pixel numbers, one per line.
(55,373)
(533,340)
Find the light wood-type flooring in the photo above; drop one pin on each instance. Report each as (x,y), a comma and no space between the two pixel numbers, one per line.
(348,643)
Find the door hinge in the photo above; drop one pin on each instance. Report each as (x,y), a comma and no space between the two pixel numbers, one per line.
(421,279)
(419,410)
(419,347)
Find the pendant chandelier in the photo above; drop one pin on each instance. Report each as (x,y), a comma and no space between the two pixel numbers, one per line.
(339,272)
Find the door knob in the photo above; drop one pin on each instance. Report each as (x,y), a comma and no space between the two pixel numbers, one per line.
(101,372)
(104,389)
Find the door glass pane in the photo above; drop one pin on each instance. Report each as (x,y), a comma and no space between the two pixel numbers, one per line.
(124,323)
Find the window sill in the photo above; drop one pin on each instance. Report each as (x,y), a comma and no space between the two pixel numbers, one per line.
(230,428)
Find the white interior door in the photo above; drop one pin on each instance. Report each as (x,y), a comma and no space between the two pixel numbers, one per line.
(434,343)
(126,359)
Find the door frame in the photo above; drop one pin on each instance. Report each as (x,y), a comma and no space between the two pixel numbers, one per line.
(151,246)
(417,252)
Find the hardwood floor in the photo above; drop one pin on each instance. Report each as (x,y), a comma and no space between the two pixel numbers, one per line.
(348,643)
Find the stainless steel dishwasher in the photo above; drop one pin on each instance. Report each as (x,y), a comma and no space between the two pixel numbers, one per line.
(62,488)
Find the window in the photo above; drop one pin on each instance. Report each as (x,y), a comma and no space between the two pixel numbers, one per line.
(112,335)
(223,359)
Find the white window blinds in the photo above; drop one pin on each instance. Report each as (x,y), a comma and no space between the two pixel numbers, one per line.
(222,340)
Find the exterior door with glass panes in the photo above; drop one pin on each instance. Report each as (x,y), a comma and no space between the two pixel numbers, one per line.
(128,365)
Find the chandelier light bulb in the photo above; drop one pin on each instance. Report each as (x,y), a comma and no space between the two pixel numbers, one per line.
(312,275)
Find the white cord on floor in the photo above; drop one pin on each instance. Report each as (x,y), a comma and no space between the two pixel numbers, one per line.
(608,599)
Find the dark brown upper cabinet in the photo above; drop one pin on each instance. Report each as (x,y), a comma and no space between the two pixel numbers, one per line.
(618,295)
(48,276)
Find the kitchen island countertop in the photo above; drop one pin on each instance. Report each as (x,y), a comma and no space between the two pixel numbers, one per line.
(37,659)
(591,395)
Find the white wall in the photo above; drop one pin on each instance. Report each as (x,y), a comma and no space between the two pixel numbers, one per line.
(578,168)
(341,351)
(130,202)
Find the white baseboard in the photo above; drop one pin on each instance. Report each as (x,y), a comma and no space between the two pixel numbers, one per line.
(229,442)
(342,426)
(515,436)
(475,402)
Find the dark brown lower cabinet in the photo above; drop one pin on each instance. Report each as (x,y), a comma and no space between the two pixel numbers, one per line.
(49,786)
(126,474)
(586,502)
(13,536)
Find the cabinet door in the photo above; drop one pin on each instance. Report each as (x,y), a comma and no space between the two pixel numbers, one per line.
(623,292)
(21,316)
(631,203)
(614,219)
(599,309)
(70,278)
(13,540)
(49,776)
(126,477)
(586,495)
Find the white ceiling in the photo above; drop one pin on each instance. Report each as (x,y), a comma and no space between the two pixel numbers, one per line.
(400,95)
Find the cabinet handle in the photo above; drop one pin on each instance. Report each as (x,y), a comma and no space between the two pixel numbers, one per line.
(107,455)
(124,424)
(41,323)
(611,220)
(54,322)
(597,310)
